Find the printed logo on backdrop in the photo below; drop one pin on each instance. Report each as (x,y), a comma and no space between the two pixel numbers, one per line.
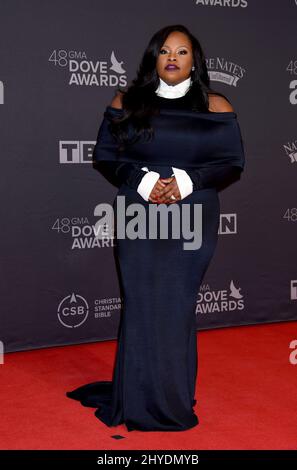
(228,224)
(1,92)
(219,301)
(291,151)
(291,214)
(293,290)
(224,71)
(74,310)
(83,234)
(222,3)
(85,71)
(76,151)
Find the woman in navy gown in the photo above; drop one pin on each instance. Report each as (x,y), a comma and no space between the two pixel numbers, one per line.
(196,148)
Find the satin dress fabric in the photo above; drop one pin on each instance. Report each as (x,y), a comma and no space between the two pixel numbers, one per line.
(156,365)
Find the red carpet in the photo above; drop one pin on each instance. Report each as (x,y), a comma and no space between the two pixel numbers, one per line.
(246,392)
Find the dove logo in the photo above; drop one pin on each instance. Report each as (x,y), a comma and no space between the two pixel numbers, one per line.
(73,311)
(219,301)
(235,292)
(116,66)
(86,72)
(294,289)
(98,73)
(1,93)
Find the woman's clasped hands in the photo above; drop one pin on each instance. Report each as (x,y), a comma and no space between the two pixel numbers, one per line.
(163,190)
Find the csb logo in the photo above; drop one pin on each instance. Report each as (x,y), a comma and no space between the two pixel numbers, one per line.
(73,311)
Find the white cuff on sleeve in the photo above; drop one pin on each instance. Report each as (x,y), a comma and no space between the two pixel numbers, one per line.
(147,183)
(184,182)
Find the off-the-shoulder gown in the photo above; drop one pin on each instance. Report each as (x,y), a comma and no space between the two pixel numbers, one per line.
(156,363)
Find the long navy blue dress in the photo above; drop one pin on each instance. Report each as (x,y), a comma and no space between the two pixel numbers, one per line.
(156,364)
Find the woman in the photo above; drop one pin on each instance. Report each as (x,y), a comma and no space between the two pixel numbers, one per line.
(169,139)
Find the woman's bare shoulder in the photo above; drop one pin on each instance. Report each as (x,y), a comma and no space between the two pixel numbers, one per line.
(219,104)
(117,100)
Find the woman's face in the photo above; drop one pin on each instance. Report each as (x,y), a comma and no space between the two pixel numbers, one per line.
(176,50)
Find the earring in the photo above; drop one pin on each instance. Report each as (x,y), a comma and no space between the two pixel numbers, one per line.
(193,68)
